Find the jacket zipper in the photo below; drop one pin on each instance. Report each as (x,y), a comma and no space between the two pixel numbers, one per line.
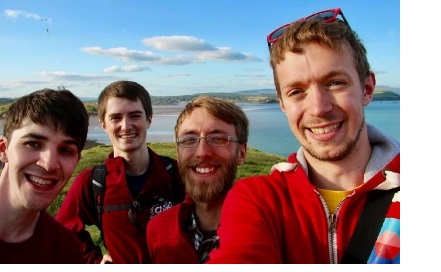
(332,224)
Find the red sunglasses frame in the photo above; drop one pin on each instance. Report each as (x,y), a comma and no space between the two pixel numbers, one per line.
(336,12)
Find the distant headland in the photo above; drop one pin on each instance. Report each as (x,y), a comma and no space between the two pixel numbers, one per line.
(259,96)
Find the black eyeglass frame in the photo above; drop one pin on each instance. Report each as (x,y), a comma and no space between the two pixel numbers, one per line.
(335,12)
(207,138)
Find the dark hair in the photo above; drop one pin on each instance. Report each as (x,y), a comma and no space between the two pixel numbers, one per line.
(334,35)
(124,89)
(220,108)
(62,109)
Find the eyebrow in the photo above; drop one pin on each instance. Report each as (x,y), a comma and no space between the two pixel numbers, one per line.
(192,131)
(42,137)
(130,112)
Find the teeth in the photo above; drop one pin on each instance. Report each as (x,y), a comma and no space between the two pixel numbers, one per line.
(204,170)
(126,136)
(39,181)
(324,129)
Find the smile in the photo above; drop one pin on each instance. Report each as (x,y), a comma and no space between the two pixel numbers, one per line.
(324,130)
(40,181)
(204,170)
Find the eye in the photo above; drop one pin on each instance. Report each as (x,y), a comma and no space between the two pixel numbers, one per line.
(294,92)
(336,83)
(136,116)
(218,138)
(69,150)
(189,139)
(32,144)
(114,118)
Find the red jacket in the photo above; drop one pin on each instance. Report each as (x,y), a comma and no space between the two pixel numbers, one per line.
(281,218)
(124,242)
(177,247)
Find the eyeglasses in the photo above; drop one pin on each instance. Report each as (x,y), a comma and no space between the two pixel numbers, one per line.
(214,139)
(328,16)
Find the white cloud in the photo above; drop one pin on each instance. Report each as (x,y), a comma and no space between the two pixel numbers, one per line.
(16,14)
(178,43)
(128,68)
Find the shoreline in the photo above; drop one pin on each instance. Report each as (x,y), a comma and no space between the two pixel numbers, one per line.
(90,144)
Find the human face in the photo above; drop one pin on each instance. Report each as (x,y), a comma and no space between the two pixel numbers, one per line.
(208,171)
(323,100)
(126,123)
(39,161)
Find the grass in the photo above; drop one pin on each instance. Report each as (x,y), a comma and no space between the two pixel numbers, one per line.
(256,163)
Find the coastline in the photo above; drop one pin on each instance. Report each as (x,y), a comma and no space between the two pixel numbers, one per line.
(91,143)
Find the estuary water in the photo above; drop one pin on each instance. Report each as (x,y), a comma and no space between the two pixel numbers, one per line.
(269,130)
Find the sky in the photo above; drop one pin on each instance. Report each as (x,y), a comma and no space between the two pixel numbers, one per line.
(170,47)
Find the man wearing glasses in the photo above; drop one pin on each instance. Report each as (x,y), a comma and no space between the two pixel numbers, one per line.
(309,214)
(211,136)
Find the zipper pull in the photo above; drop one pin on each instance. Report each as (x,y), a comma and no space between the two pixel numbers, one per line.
(332,220)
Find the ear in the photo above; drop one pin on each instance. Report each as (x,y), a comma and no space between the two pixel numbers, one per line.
(369,88)
(103,125)
(282,106)
(242,154)
(149,122)
(3,148)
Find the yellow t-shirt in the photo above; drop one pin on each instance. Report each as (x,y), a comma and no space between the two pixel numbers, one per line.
(333,198)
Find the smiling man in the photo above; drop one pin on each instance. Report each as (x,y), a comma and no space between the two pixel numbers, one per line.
(310,214)
(211,142)
(40,149)
(137,183)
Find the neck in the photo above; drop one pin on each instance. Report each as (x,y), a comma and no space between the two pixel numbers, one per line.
(136,163)
(208,214)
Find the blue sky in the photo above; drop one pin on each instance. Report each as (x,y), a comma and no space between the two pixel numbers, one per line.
(170,47)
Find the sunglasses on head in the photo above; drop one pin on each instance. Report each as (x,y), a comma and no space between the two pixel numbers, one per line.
(328,16)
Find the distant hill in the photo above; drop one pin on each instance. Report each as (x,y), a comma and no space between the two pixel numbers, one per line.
(262,96)
(259,96)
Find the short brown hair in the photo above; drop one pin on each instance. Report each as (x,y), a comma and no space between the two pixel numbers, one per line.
(333,35)
(222,109)
(124,89)
(61,108)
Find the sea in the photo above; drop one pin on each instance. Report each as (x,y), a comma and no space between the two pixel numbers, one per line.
(269,130)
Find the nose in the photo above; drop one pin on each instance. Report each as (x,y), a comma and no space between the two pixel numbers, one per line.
(203,149)
(49,159)
(125,124)
(319,101)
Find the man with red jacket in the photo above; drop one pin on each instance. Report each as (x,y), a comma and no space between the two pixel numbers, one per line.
(308,215)
(211,142)
(136,177)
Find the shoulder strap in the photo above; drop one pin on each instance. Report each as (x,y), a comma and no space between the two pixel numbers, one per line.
(98,182)
(368,226)
(168,164)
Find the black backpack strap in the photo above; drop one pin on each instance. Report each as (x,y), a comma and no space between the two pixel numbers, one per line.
(168,164)
(368,226)
(98,182)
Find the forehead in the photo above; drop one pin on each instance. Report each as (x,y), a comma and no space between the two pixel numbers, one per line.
(31,129)
(201,120)
(315,60)
(117,105)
